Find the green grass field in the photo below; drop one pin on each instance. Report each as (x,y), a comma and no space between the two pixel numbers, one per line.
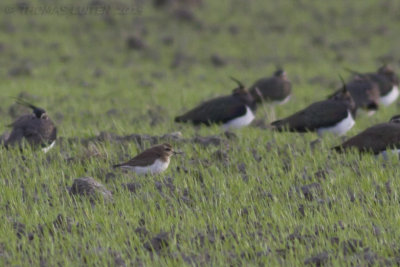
(255,198)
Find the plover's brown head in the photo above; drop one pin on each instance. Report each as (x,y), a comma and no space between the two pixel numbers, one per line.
(166,150)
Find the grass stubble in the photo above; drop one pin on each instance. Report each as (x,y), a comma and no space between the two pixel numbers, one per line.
(257,197)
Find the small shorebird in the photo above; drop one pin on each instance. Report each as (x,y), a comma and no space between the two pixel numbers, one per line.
(36,128)
(335,115)
(377,139)
(151,161)
(232,111)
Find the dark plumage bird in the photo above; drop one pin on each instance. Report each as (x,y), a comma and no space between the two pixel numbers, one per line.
(273,89)
(364,92)
(335,115)
(151,161)
(37,129)
(387,81)
(232,111)
(376,139)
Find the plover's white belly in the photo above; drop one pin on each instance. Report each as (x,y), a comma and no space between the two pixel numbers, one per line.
(241,121)
(339,128)
(157,167)
(284,101)
(47,148)
(390,97)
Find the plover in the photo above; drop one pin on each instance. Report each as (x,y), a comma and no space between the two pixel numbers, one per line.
(151,161)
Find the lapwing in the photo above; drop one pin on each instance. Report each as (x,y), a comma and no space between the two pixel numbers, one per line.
(365,93)
(387,81)
(232,111)
(377,139)
(151,161)
(36,128)
(335,115)
(276,89)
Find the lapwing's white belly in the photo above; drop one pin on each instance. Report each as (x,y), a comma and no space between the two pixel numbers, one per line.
(284,101)
(391,97)
(385,154)
(241,121)
(157,167)
(47,148)
(339,128)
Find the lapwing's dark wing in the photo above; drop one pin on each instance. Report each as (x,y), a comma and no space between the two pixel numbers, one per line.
(271,89)
(374,139)
(218,110)
(320,114)
(365,93)
(34,130)
(143,159)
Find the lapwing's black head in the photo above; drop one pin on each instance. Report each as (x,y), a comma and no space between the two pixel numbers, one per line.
(38,112)
(395,119)
(389,73)
(280,73)
(344,96)
(242,93)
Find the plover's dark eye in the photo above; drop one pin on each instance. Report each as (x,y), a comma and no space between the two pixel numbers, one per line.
(167,149)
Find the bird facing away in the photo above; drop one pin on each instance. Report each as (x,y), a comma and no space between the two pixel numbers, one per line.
(273,89)
(335,115)
(387,81)
(376,139)
(232,111)
(364,92)
(151,161)
(36,128)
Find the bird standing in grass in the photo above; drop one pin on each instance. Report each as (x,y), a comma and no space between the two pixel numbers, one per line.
(151,161)
(232,111)
(36,128)
(335,115)
(387,81)
(276,89)
(364,92)
(377,139)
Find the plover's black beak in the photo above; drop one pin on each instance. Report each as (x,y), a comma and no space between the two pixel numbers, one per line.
(178,152)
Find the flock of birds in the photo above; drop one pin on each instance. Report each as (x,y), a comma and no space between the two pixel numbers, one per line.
(336,114)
